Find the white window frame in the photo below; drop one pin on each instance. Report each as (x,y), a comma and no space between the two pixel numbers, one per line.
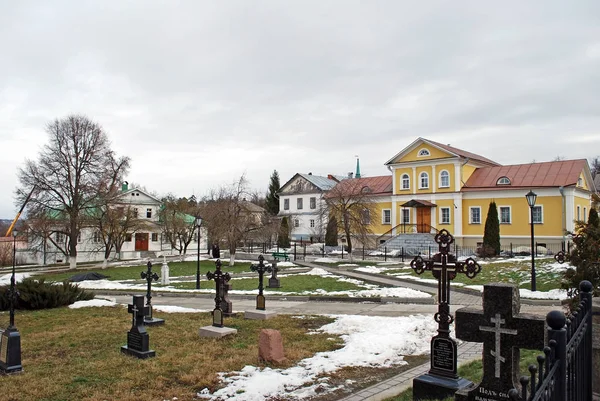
(580,182)
(509,214)
(471,208)
(541,207)
(424,152)
(503,181)
(389,219)
(447,175)
(578,213)
(149,213)
(405,216)
(286,204)
(423,174)
(299,203)
(442,215)
(312,223)
(313,202)
(407,177)
(296,223)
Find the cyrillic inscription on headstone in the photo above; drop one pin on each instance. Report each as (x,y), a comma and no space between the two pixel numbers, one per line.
(135,341)
(3,349)
(444,354)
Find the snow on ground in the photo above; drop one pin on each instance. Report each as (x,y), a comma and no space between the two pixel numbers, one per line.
(5,278)
(365,344)
(347,265)
(176,309)
(372,269)
(285,264)
(92,303)
(525,293)
(325,260)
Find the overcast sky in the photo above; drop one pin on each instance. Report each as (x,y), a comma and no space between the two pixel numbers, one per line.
(199,92)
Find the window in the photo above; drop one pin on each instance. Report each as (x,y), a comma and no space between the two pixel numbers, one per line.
(79,237)
(299,203)
(149,213)
(312,223)
(503,181)
(296,223)
(578,213)
(366,216)
(475,215)
(97,236)
(445,215)
(135,212)
(444,179)
(504,214)
(286,204)
(405,181)
(423,152)
(584,213)
(580,182)
(154,237)
(405,216)
(538,214)
(386,216)
(423,180)
(128,237)
(313,203)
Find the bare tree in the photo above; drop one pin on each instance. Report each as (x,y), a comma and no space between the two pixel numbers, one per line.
(178,218)
(351,203)
(229,216)
(73,171)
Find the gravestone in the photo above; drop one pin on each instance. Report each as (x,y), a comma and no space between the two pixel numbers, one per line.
(138,340)
(260,313)
(441,380)
(149,276)
(226,304)
(10,339)
(270,346)
(503,331)
(164,272)
(274,280)
(217,329)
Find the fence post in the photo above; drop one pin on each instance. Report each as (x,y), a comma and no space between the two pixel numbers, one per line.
(323,250)
(385,253)
(403,254)
(342,251)
(511,252)
(294,251)
(557,332)
(536,246)
(304,255)
(585,296)
(363,252)
(429,251)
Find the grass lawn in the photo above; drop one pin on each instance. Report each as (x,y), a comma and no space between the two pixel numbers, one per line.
(473,372)
(74,354)
(133,272)
(515,272)
(290,283)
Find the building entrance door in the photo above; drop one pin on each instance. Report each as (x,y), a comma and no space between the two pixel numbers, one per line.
(141,241)
(423,219)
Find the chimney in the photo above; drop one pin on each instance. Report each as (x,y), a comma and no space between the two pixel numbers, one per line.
(350,174)
(330,176)
(124,186)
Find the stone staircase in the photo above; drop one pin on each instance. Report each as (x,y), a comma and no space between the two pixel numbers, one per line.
(413,243)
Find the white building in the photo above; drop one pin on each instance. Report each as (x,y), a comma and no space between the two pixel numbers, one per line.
(301,201)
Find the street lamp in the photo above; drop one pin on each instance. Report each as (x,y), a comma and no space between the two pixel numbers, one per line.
(10,352)
(198,225)
(531,197)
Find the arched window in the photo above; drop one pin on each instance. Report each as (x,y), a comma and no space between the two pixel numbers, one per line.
(423,180)
(444,179)
(503,181)
(423,152)
(405,181)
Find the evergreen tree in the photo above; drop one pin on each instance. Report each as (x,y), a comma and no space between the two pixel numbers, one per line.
(272,202)
(331,235)
(283,239)
(491,235)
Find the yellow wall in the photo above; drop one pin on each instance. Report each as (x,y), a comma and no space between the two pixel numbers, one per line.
(467,171)
(438,169)
(434,153)
(582,203)
(376,226)
(438,214)
(585,184)
(552,215)
(398,179)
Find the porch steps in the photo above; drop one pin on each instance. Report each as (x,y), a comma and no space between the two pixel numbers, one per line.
(413,243)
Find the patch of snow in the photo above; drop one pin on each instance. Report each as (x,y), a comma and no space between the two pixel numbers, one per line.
(286,264)
(347,265)
(326,260)
(91,303)
(552,294)
(365,344)
(5,278)
(372,269)
(176,309)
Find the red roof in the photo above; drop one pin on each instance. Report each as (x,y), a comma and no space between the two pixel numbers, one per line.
(380,185)
(547,174)
(462,153)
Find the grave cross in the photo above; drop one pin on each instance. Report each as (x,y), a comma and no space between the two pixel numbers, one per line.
(503,331)
(444,268)
(261,269)
(138,311)
(220,280)
(149,276)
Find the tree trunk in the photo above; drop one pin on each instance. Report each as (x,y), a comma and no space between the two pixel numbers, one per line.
(231,257)
(105,263)
(73,262)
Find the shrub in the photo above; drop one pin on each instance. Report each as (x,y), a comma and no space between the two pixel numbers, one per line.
(331,235)
(284,234)
(491,235)
(37,294)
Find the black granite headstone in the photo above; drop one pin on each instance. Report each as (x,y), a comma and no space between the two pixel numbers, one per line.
(138,340)
(503,331)
(274,280)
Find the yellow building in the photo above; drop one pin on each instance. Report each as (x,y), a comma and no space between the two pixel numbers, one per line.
(436,186)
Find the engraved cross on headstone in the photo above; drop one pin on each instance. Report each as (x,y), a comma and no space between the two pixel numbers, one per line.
(503,331)
(220,280)
(138,311)
(261,269)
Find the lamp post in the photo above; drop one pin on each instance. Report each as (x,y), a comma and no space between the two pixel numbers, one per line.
(13,284)
(198,225)
(531,197)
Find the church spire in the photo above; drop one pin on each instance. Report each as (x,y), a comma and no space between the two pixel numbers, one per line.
(357,175)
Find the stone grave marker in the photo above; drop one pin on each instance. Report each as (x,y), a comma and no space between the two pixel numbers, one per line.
(149,276)
(274,280)
(217,329)
(442,380)
(270,346)
(138,340)
(260,313)
(503,331)
(164,272)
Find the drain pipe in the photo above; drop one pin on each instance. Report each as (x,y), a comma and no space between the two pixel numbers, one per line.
(561,189)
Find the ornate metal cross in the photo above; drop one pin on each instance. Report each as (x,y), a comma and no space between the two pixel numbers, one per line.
(261,269)
(149,276)
(220,280)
